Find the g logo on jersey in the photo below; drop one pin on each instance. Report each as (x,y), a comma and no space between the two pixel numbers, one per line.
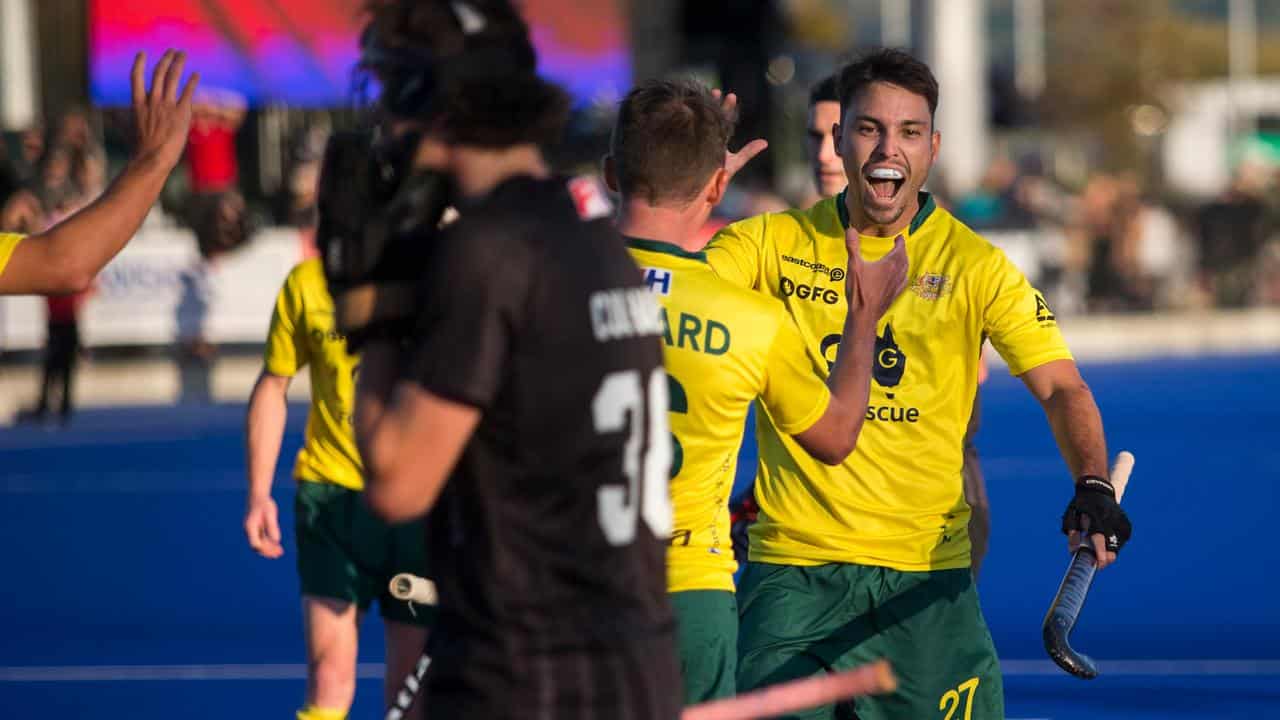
(890,360)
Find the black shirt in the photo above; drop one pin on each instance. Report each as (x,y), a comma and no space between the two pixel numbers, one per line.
(548,540)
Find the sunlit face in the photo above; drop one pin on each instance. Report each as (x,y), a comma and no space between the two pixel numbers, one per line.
(820,148)
(888,145)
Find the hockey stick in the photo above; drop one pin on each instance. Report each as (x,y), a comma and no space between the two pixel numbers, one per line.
(411,589)
(1067,604)
(871,679)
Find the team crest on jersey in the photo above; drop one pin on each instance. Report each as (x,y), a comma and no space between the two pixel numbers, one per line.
(931,286)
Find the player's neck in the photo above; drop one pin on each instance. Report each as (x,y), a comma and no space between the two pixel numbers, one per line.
(859,221)
(674,225)
(477,171)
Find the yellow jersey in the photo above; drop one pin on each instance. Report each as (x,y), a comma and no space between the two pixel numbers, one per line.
(302,333)
(723,347)
(8,242)
(898,500)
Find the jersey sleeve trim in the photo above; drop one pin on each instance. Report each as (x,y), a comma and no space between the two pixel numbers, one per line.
(8,243)
(811,418)
(1031,363)
(282,355)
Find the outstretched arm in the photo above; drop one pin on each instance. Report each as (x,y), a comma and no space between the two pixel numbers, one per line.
(66,258)
(1077,426)
(1073,415)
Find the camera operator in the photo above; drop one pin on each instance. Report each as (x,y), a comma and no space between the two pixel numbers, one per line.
(511,379)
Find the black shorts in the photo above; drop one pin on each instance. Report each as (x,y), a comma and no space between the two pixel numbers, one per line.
(639,680)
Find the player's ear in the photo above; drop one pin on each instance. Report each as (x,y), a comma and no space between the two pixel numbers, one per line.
(936,142)
(610,171)
(716,187)
(835,138)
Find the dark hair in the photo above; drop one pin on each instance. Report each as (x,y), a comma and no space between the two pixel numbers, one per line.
(892,66)
(468,65)
(670,136)
(824,91)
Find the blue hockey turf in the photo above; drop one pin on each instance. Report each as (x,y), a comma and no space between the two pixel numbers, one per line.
(130,591)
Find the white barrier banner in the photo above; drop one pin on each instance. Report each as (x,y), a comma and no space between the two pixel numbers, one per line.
(158,290)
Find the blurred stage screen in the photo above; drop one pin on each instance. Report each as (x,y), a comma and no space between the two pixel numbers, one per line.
(300,52)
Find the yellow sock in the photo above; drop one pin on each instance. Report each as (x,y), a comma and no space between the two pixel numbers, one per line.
(311,712)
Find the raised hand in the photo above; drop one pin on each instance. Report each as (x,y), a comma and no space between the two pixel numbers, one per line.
(873,286)
(161,116)
(735,161)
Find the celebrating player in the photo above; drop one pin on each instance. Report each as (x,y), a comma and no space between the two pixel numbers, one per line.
(724,347)
(346,556)
(528,373)
(871,558)
(820,149)
(66,257)
(829,180)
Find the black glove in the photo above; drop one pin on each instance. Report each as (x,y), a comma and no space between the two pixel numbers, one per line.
(742,516)
(377,216)
(1096,498)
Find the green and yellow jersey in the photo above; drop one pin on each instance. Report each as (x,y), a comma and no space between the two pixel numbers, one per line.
(723,347)
(302,333)
(8,242)
(898,500)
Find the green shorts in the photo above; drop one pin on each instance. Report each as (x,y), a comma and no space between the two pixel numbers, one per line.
(347,553)
(800,621)
(707,640)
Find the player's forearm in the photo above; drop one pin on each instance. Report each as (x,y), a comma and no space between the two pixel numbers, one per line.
(264,431)
(377,439)
(835,435)
(1077,427)
(80,246)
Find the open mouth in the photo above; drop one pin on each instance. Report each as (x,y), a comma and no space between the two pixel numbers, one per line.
(885,183)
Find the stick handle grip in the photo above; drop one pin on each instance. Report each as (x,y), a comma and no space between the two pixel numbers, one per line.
(410,587)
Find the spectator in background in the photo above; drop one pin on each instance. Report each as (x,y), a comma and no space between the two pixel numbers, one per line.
(298,200)
(22,214)
(1101,250)
(61,353)
(211,144)
(222,225)
(54,188)
(31,146)
(1149,253)
(997,203)
(1231,232)
(20,161)
(76,134)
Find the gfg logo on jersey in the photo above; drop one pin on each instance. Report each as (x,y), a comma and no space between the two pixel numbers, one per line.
(791,288)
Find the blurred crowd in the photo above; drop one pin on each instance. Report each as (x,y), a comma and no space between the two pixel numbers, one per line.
(1109,245)
(1113,246)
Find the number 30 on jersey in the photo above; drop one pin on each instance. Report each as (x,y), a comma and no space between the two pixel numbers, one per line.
(646,457)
